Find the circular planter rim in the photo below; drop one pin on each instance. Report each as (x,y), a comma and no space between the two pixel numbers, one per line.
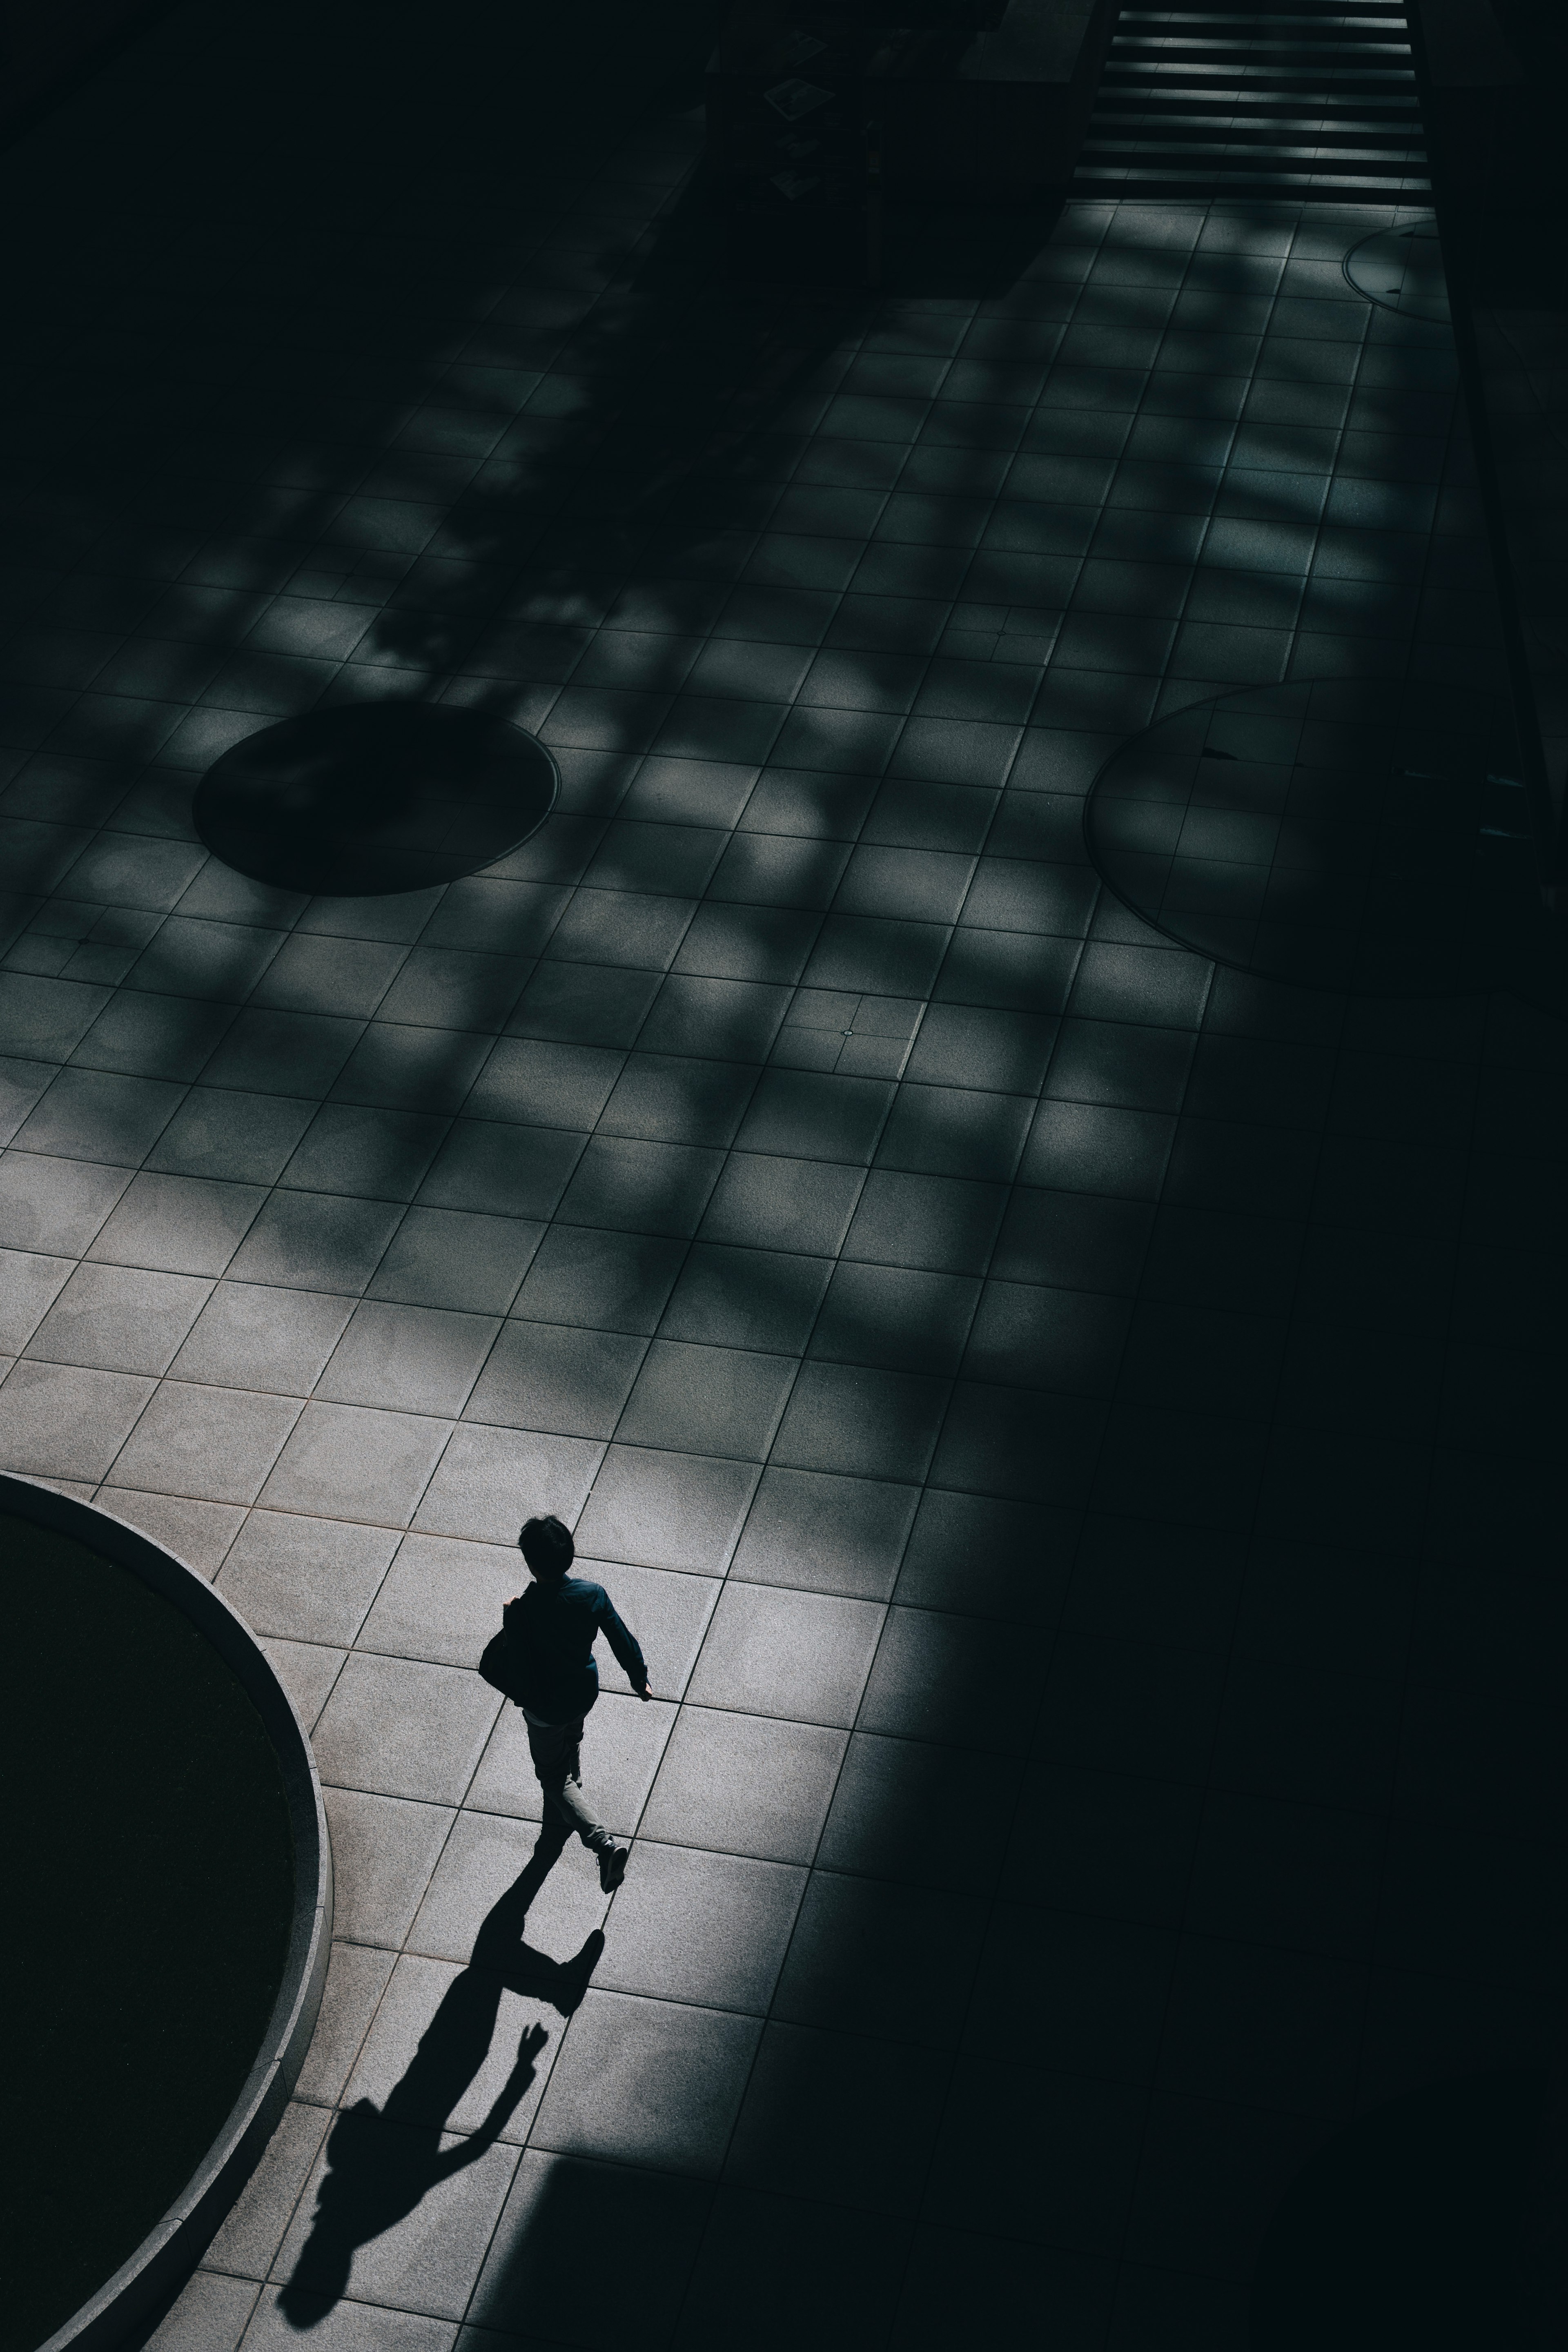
(173,2247)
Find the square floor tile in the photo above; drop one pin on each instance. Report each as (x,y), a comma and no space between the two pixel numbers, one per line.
(500,1170)
(809,1115)
(413,1359)
(935,1678)
(872,1957)
(615,1282)
(349,1461)
(745,1298)
(247,1336)
(383,1851)
(62,1421)
(710,1401)
(895,1318)
(550,1377)
(840,2117)
(55,1205)
(825,1534)
(710,1928)
(870,1424)
(251,2232)
(665,1098)
(800,1205)
(560,2214)
(427,2260)
(954,1131)
(442,1600)
(492,2081)
(648,2082)
(119,1319)
(216,1443)
(666,1510)
(484,1899)
(985,1558)
(655,1188)
(489,1480)
(741,1784)
(924,1815)
(308,1241)
(372,1154)
(178,1224)
(305,1579)
(397,1728)
(771,1651)
(247,1138)
(830,2280)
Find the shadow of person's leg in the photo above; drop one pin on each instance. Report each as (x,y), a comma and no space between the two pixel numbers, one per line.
(503,1923)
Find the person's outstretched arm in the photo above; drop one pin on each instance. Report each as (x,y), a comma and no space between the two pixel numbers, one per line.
(624,1643)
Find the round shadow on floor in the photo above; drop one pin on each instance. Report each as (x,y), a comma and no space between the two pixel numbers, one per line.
(1402,269)
(1349,834)
(379,797)
(169,1939)
(1404,2233)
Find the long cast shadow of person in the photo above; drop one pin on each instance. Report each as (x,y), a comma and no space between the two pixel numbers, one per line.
(383,2161)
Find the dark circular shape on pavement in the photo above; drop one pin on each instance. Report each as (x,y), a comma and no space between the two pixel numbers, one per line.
(169,1855)
(1402,269)
(374,798)
(1351,834)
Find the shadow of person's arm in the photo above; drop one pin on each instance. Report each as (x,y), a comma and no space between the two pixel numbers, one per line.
(504,2106)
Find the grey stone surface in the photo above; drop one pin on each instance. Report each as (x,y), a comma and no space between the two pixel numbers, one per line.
(484,1857)
(252,1336)
(425,2265)
(385,1849)
(216,1443)
(403,1728)
(29,1282)
(483,1472)
(708,1928)
(59,1421)
(345,1462)
(418,1994)
(198,1533)
(308,1672)
(804,1655)
(357,1977)
(178,1224)
(442,1600)
(793,1171)
(304,1578)
(648,2082)
(250,2234)
(210,2315)
(119,1320)
(741,1784)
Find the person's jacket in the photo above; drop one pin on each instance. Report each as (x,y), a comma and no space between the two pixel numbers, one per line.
(549,1633)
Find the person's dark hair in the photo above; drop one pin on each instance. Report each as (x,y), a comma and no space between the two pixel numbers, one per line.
(547,1546)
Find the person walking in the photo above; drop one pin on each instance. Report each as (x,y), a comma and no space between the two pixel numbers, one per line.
(543,1660)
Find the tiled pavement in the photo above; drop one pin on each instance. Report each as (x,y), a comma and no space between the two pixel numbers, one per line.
(1069,1425)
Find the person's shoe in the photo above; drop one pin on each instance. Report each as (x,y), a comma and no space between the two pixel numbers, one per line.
(612,1867)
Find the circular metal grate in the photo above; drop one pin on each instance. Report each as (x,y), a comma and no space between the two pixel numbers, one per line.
(1402,269)
(1351,834)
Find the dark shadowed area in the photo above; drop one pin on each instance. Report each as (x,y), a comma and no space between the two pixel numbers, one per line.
(1071,1411)
(154,1878)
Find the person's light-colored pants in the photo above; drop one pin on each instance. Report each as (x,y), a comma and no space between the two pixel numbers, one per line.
(555,1749)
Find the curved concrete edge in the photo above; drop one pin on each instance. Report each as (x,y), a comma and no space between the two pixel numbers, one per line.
(171,2250)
